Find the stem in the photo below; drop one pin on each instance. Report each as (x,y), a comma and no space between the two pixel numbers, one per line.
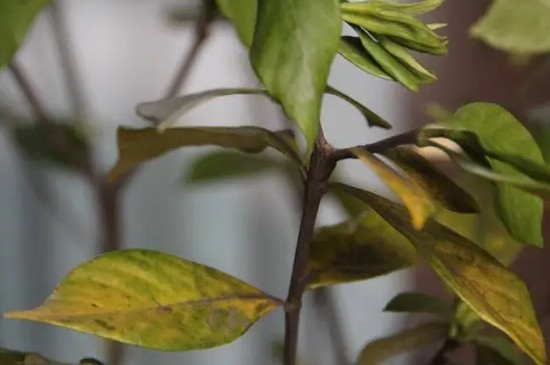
(28,91)
(73,83)
(440,356)
(202,30)
(321,166)
(409,137)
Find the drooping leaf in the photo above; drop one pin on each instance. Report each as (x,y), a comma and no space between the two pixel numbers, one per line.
(379,351)
(436,183)
(165,112)
(400,53)
(359,249)
(58,144)
(155,300)
(352,50)
(139,145)
(372,118)
(482,128)
(391,23)
(497,350)
(243,14)
(489,288)
(16,16)
(387,62)
(516,27)
(418,303)
(220,165)
(294,44)
(418,202)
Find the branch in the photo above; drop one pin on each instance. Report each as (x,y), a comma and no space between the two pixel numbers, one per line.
(321,166)
(202,30)
(28,91)
(409,137)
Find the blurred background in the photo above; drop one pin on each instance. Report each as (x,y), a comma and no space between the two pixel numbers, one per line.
(90,63)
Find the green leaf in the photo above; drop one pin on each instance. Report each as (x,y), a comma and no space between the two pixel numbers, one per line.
(516,27)
(294,44)
(498,350)
(220,165)
(16,17)
(352,50)
(418,202)
(412,8)
(379,351)
(139,145)
(372,118)
(57,144)
(394,23)
(520,181)
(482,128)
(436,183)
(243,14)
(400,53)
(359,249)
(155,300)
(165,112)
(387,62)
(495,293)
(10,357)
(418,303)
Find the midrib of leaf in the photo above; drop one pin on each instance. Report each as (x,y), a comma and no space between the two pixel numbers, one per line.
(160,307)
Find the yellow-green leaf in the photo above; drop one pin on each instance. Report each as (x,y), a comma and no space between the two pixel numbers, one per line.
(352,50)
(15,18)
(400,53)
(418,202)
(381,350)
(155,300)
(11,357)
(495,293)
(243,14)
(436,183)
(359,249)
(139,145)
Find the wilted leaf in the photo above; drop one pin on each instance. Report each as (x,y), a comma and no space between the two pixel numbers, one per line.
(436,183)
(243,14)
(372,118)
(165,112)
(15,18)
(220,165)
(497,350)
(294,44)
(352,50)
(488,287)
(418,202)
(516,26)
(58,144)
(418,303)
(155,300)
(379,351)
(139,145)
(482,128)
(359,249)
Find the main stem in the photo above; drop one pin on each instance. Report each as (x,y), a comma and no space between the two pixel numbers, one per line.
(321,166)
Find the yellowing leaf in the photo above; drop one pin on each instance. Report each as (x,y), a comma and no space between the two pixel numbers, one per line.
(139,145)
(418,202)
(379,351)
(359,249)
(495,293)
(155,300)
(436,183)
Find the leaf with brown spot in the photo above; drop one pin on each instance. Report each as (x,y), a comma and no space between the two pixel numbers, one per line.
(155,300)
(136,146)
(358,249)
(495,293)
